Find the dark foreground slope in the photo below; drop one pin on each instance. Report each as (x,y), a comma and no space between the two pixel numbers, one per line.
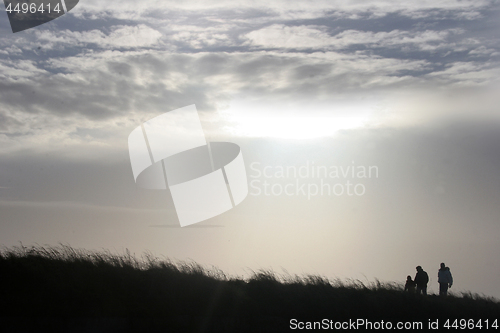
(63,289)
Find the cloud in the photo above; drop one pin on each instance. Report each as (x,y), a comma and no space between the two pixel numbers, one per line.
(96,97)
(12,50)
(6,121)
(129,9)
(312,37)
(484,51)
(281,36)
(200,38)
(468,73)
(19,69)
(121,63)
(392,38)
(119,37)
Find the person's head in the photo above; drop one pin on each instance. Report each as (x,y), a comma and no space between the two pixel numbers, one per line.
(408,278)
(419,268)
(443,266)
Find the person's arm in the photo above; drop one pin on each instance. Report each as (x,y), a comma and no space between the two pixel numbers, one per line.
(451,278)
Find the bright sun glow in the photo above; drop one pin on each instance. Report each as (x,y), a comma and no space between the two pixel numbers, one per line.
(295,118)
(293,127)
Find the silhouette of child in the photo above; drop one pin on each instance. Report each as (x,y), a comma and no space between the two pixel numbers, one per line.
(410,284)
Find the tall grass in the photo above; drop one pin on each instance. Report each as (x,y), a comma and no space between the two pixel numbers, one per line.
(55,285)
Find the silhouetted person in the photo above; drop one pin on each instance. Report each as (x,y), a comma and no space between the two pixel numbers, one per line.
(410,285)
(421,280)
(445,279)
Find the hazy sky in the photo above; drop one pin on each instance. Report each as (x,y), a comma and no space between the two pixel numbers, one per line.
(407,87)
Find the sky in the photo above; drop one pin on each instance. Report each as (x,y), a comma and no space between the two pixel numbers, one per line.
(408,90)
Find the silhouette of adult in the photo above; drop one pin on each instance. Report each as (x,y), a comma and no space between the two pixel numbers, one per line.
(421,280)
(445,279)
(410,284)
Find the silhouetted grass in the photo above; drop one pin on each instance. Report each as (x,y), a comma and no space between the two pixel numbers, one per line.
(66,289)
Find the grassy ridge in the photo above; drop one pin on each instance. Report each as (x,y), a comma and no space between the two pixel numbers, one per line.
(61,288)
